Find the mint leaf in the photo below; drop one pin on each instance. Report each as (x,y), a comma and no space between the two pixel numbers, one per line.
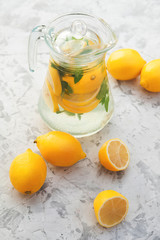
(86,40)
(77,76)
(58,112)
(79,115)
(87,50)
(64,85)
(106,104)
(103,90)
(103,94)
(59,69)
(65,111)
(69,113)
(102,101)
(67,39)
(66,88)
(73,38)
(53,65)
(69,90)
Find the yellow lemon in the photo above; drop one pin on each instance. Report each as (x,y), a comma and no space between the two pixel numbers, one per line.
(80,103)
(114,155)
(89,82)
(28,172)
(60,148)
(49,97)
(110,208)
(125,64)
(54,79)
(71,107)
(81,99)
(150,76)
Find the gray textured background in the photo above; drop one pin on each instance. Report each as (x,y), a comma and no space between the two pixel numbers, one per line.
(63,208)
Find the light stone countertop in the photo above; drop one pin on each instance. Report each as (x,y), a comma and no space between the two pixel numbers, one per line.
(63,208)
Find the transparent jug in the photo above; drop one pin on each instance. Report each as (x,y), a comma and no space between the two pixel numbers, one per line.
(76,97)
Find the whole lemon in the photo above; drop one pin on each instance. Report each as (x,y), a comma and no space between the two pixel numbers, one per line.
(125,64)
(150,76)
(60,148)
(28,172)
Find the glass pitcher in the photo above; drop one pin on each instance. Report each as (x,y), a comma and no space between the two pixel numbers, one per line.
(76,97)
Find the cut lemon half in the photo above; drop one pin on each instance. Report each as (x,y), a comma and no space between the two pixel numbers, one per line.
(114,155)
(110,208)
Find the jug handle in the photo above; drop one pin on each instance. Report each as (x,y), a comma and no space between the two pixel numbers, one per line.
(36,35)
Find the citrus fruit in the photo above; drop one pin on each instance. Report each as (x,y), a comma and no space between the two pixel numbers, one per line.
(125,64)
(89,82)
(81,99)
(114,155)
(150,76)
(54,79)
(71,107)
(49,97)
(60,148)
(28,172)
(110,208)
(73,46)
(80,103)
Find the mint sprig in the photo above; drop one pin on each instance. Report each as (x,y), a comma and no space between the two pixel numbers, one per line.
(59,69)
(66,88)
(78,74)
(103,94)
(67,112)
(106,104)
(79,115)
(103,90)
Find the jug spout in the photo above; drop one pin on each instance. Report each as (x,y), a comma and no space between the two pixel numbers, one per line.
(108,36)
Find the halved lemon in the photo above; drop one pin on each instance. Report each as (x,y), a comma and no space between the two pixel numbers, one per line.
(49,97)
(110,208)
(114,155)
